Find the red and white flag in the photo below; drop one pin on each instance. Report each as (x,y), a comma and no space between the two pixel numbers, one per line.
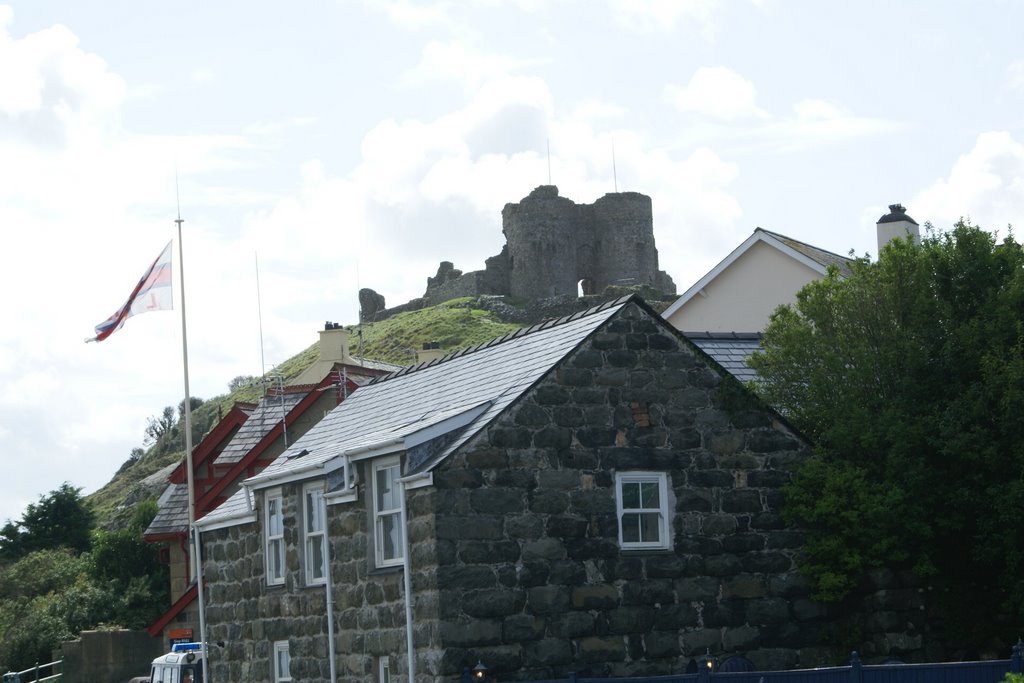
(153,293)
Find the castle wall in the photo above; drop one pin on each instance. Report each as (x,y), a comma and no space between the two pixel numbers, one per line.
(542,236)
(624,230)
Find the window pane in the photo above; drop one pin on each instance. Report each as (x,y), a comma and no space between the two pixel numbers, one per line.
(274,526)
(650,526)
(276,558)
(316,556)
(390,537)
(649,495)
(631,528)
(314,511)
(283,663)
(630,495)
(387,495)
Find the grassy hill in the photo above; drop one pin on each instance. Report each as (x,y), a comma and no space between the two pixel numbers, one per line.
(454,325)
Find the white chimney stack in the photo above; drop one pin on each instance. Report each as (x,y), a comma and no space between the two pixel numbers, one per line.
(896,224)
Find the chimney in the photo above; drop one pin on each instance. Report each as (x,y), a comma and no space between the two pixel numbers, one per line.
(430,351)
(895,224)
(333,343)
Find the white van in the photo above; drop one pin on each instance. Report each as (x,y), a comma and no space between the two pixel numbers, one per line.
(183,664)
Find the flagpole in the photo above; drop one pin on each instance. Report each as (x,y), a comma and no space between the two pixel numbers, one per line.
(193,530)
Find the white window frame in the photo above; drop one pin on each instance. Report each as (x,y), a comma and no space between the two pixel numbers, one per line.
(382,515)
(282,673)
(314,531)
(631,516)
(273,535)
(383,670)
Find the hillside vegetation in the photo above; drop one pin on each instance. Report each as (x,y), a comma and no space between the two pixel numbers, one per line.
(454,325)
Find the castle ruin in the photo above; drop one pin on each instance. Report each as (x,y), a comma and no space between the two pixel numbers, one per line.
(554,247)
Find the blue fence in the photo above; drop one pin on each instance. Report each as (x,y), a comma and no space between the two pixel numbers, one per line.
(991,671)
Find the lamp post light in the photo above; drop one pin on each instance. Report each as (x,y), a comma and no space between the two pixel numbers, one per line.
(477,673)
(705,667)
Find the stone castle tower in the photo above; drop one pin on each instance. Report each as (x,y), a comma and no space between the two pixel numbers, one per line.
(553,246)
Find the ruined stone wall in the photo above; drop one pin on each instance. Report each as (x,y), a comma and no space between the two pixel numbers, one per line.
(624,235)
(552,244)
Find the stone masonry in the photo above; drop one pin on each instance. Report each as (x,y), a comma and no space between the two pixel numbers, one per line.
(514,551)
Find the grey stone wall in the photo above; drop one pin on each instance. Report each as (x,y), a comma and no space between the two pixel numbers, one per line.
(249,616)
(530,575)
(108,656)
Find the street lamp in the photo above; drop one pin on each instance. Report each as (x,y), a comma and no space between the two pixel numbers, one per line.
(479,671)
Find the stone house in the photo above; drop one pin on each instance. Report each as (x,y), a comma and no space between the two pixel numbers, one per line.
(591,494)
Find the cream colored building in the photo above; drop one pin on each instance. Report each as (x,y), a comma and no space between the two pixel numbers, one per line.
(766,271)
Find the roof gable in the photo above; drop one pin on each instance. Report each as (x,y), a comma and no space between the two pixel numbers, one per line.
(818,260)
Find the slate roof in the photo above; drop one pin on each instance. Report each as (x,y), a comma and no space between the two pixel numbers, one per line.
(825,258)
(474,385)
(729,349)
(268,414)
(172,517)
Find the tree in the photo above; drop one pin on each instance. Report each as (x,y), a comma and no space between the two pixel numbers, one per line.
(157,427)
(909,378)
(240,382)
(61,519)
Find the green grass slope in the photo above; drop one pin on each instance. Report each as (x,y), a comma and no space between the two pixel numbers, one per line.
(454,325)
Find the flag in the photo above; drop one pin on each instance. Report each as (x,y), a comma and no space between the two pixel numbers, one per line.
(153,293)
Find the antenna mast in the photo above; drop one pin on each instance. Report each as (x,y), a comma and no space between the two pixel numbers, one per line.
(259,314)
(615,175)
(549,160)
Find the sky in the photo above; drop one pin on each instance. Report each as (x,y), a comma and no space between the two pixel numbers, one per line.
(316,147)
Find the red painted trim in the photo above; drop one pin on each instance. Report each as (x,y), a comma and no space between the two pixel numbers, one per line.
(243,465)
(235,418)
(157,627)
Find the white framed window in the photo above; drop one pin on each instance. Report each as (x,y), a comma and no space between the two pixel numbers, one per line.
(282,662)
(314,530)
(273,524)
(384,670)
(387,512)
(641,502)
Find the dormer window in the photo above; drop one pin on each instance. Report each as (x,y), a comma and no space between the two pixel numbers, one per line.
(314,528)
(387,512)
(273,524)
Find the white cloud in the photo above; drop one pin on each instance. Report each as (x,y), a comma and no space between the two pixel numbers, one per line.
(986,184)
(717,92)
(51,90)
(664,15)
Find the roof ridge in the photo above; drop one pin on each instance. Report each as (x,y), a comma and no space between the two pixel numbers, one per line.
(545,324)
(806,244)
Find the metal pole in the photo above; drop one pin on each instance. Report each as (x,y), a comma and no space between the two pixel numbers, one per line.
(188,456)
(330,590)
(407,571)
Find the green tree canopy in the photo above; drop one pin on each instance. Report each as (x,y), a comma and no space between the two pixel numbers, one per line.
(909,378)
(61,519)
